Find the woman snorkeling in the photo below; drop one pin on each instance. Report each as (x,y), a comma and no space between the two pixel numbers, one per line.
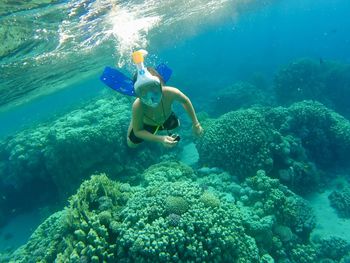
(152,109)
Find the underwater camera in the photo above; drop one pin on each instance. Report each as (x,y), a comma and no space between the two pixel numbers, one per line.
(176,137)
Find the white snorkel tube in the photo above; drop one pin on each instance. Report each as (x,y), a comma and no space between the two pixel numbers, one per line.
(146,85)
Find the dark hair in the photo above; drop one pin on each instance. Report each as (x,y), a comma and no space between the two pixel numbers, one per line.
(153,72)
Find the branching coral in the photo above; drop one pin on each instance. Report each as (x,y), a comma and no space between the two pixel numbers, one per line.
(172,221)
(82,230)
(179,221)
(278,215)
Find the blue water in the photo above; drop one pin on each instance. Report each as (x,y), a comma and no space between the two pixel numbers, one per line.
(206,56)
(259,41)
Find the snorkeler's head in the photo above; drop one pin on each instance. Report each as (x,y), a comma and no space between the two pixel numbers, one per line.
(148,87)
(150,93)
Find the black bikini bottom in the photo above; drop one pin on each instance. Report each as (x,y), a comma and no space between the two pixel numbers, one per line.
(171,123)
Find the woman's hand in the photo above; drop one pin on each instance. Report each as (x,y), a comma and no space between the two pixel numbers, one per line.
(197,129)
(168,141)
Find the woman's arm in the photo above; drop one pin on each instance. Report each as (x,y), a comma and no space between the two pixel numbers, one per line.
(187,105)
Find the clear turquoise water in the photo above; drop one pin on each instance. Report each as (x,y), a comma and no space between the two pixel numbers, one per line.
(53,53)
(229,45)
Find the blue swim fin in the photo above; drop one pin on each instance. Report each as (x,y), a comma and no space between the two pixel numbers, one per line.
(116,80)
(164,71)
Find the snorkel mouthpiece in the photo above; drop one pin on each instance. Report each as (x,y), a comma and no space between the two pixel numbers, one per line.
(147,86)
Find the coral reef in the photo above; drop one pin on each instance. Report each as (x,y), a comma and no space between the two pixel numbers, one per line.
(327,82)
(292,144)
(292,216)
(190,230)
(178,221)
(340,201)
(109,221)
(51,159)
(334,248)
(81,231)
(238,142)
(239,95)
(323,133)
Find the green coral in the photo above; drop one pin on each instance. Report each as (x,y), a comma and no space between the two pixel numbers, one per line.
(304,254)
(179,221)
(176,205)
(334,248)
(107,221)
(204,233)
(275,215)
(209,199)
(167,171)
(81,230)
(324,133)
(238,142)
(290,143)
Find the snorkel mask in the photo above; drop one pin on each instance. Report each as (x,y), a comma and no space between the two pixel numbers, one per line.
(147,87)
